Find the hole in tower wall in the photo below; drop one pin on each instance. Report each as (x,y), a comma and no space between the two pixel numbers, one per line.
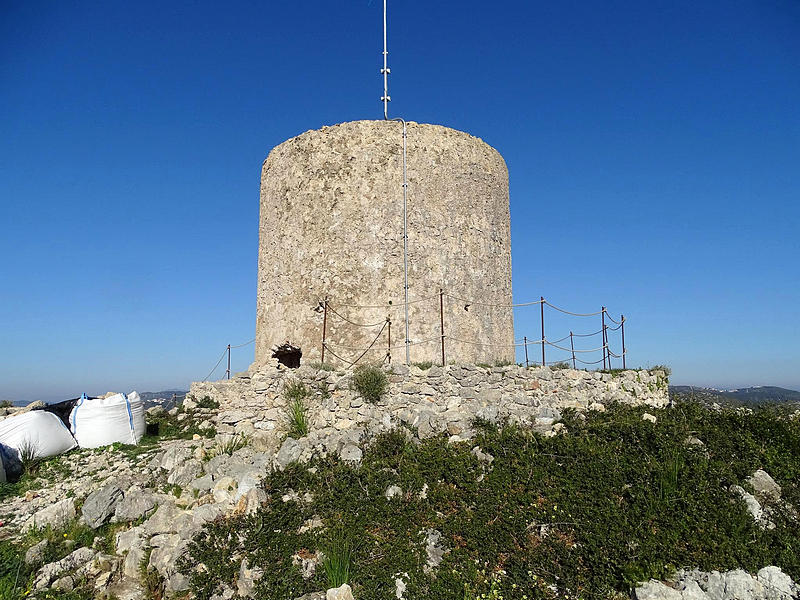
(288,355)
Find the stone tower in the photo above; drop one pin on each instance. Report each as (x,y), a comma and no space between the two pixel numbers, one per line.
(331,226)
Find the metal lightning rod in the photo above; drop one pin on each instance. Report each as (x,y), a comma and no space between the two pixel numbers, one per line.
(386,99)
(385,70)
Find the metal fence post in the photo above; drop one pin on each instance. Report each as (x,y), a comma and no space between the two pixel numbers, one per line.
(324,327)
(572,347)
(541,305)
(228,372)
(389,349)
(622,326)
(603,330)
(441,319)
(525,340)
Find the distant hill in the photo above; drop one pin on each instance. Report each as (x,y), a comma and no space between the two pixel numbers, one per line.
(741,396)
(167,398)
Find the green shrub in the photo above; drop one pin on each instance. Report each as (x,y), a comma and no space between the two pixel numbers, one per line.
(207,402)
(425,365)
(294,390)
(168,427)
(321,390)
(667,370)
(369,382)
(322,366)
(560,365)
(6,404)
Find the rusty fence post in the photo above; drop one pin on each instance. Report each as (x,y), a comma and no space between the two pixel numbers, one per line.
(228,372)
(389,349)
(541,305)
(572,347)
(441,319)
(603,331)
(324,326)
(525,340)
(622,327)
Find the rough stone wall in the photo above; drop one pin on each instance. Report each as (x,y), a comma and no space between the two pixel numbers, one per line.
(435,400)
(332,224)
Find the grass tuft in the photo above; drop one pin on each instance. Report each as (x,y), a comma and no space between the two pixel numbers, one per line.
(296,413)
(229,445)
(338,561)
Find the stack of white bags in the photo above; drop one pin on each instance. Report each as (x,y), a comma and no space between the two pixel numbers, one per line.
(93,422)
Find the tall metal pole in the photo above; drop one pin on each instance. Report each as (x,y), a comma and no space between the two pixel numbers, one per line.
(385,70)
(405,234)
(622,326)
(228,372)
(541,304)
(324,327)
(603,329)
(525,341)
(441,319)
(572,347)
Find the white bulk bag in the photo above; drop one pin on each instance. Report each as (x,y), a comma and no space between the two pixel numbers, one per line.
(42,431)
(99,422)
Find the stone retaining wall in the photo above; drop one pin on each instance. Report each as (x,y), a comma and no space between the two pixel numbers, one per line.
(434,401)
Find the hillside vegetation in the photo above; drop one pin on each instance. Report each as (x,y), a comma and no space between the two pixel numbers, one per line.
(611,501)
(617,496)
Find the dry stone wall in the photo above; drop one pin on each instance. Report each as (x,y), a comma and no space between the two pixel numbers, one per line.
(434,401)
(331,224)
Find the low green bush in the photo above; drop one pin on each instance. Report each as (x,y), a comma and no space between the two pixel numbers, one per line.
(322,366)
(370,382)
(295,389)
(207,402)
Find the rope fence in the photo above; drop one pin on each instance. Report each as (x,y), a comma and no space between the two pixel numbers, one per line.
(335,349)
(227,351)
(334,312)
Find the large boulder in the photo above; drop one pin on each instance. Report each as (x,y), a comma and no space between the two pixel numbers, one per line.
(100,505)
(136,504)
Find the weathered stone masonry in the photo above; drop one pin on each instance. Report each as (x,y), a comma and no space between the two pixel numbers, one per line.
(331,223)
(435,401)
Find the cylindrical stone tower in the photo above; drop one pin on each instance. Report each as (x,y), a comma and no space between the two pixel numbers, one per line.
(332,227)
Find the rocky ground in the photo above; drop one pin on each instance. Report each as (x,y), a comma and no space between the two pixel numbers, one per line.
(117,522)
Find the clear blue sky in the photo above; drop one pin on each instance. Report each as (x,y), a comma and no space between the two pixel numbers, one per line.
(653,147)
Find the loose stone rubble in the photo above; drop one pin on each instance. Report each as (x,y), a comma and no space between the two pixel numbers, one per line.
(162,497)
